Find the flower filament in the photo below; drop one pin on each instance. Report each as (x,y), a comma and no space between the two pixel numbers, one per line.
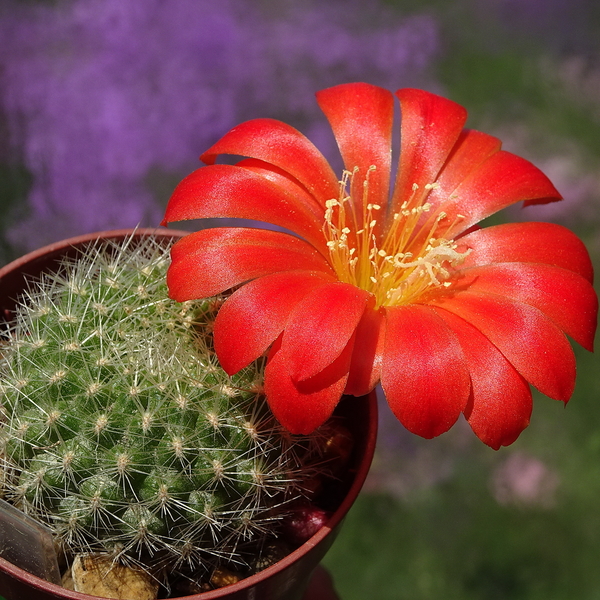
(396,266)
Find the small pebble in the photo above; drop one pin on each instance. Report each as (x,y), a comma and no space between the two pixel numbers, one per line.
(100,576)
(222,577)
(338,446)
(303,522)
(270,555)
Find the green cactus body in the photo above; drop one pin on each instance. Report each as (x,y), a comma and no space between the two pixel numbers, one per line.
(119,429)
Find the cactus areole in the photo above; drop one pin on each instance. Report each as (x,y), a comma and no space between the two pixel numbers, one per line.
(123,436)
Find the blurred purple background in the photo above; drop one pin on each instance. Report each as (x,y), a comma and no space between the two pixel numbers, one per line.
(108,103)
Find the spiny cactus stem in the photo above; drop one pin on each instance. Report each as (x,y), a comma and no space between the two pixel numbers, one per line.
(120,431)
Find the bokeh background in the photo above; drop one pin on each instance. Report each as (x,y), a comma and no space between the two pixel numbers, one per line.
(106,104)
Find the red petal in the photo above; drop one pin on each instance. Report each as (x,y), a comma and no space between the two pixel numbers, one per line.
(502,180)
(469,152)
(320,326)
(424,376)
(537,349)
(365,368)
(254,316)
(430,127)
(567,298)
(281,145)
(301,407)
(528,242)
(285,181)
(361,116)
(500,404)
(226,191)
(211,261)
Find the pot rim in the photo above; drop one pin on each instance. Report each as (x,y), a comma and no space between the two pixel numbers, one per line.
(56,247)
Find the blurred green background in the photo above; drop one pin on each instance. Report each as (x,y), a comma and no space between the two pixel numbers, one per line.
(523,522)
(446,518)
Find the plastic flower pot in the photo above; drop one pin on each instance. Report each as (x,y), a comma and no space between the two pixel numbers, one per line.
(286,579)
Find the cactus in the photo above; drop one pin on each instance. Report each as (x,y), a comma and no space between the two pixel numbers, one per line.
(122,434)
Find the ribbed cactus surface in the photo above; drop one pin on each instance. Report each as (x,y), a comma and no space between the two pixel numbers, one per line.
(120,431)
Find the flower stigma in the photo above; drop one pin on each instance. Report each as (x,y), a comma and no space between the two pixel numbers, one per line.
(398,264)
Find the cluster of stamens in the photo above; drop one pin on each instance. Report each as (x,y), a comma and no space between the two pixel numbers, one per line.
(391,257)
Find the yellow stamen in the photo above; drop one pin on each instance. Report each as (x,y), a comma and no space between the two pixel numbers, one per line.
(395,267)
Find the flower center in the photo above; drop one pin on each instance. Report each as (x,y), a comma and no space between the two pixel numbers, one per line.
(398,264)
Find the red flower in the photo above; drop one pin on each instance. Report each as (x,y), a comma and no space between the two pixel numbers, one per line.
(397,287)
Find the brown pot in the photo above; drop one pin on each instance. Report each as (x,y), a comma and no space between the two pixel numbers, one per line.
(285,580)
